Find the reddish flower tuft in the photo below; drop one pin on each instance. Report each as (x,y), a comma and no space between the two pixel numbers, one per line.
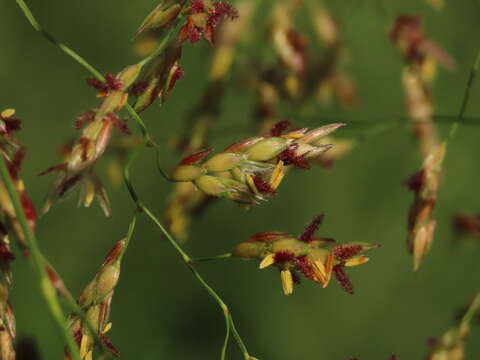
(467,224)
(403,23)
(16,162)
(109,345)
(196,157)
(119,124)
(311,229)
(139,88)
(59,167)
(344,252)
(289,157)
(83,119)
(177,75)
(11,124)
(305,267)
(5,254)
(28,208)
(113,82)
(416,181)
(97,84)
(77,336)
(263,186)
(280,127)
(283,256)
(221,9)
(342,278)
(197,6)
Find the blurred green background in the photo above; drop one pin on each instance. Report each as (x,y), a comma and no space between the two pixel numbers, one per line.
(159,310)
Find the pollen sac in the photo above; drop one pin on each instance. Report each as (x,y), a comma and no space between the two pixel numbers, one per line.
(314,257)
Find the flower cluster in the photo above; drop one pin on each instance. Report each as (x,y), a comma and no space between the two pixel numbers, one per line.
(421,54)
(314,257)
(204,18)
(421,224)
(251,170)
(95,301)
(416,48)
(184,200)
(450,346)
(96,130)
(467,225)
(13,153)
(164,71)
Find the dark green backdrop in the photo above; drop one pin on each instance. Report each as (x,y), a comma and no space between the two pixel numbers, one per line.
(159,311)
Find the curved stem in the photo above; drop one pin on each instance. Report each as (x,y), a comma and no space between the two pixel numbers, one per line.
(472,310)
(186,259)
(46,286)
(466,97)
(35,24)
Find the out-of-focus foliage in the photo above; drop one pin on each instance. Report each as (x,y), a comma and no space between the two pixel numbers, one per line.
(159,311)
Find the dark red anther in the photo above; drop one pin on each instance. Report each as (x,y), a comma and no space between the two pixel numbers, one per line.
(342,278)
(263,186)
(416,181)
(311,229)
(305,267)
(345,252)
(83,119)
(119,124)
(5,254)
(280,127)
(289,157)
(28,208)
(283,256)
(113,82)
(139,88)
(197,6)
(97,84)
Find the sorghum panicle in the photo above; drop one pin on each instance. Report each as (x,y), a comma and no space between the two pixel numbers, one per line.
(251,170)
(317,258)
(421,55)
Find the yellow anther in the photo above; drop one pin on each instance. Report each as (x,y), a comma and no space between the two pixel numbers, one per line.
(107,328)
(358,260)
(267,261)
(83,346)
(277,175)
(7,113)
(287,281)
(251,183)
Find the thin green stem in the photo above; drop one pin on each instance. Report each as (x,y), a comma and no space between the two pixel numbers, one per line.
(36,25)
(186,259)
(466,97)
(472,310)
(212,258)
(46,286)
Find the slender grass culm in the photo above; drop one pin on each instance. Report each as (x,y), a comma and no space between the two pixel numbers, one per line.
(292,78)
